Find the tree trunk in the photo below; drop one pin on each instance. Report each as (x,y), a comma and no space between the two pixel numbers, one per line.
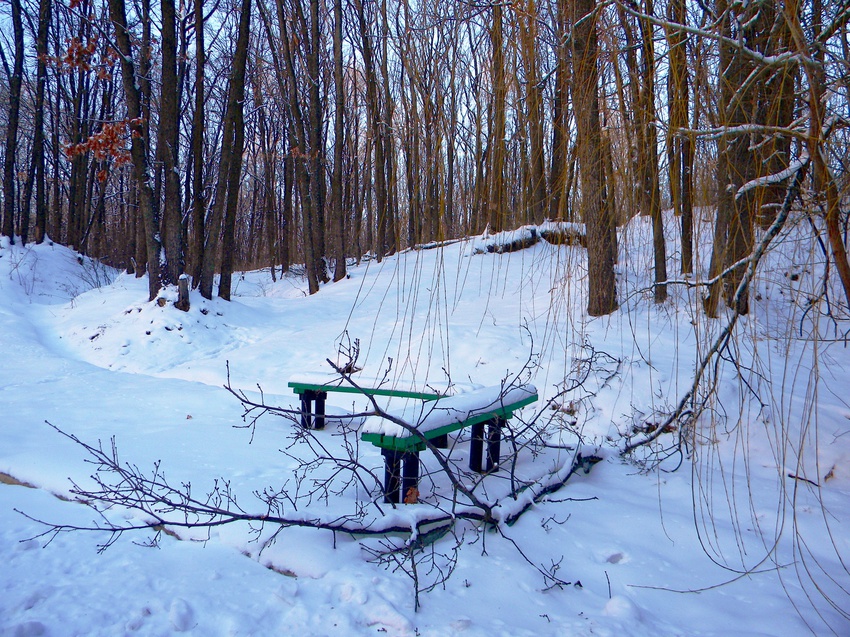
(390,219)
(374,114)
(601,232)
(299,158)
(824,180)
(44,18)
(138,148)
(339,147)
(451,135)
(560,118)
(199,201)
(534,106)
(168,144)
(497,200)
(316,148)
(678,142)
(55,220)
(223,217)
(630,111)
(268,142)
(743,84)
(15,79)
(651,190)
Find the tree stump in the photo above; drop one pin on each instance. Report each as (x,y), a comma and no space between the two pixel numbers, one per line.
(183,293)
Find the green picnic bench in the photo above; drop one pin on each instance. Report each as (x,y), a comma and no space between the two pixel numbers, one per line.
(484,410)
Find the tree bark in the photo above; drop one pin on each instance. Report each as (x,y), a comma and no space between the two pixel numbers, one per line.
(230,169)
(560,119)
(534,107)
(678,142)
(824,180)
(497,199)
(138,147)
(651,190)
(15,78)
(168,144)
(744,157)
(339,147)
(268,142)
(44,18)
(199,200)
(601,232)
(316,148)
(374,114)
(390,219)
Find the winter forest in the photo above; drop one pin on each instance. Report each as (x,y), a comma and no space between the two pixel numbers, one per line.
(640,206)
(196,139)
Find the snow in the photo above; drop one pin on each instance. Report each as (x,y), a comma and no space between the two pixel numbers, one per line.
(639,548)
(428,416)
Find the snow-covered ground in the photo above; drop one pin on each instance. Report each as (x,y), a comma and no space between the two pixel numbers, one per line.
(734,542)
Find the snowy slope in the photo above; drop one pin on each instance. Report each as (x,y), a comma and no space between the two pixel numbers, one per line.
(83,349)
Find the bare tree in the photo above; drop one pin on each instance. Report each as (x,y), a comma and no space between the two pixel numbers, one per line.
(168,147)
(139,145)
(338,213)
(196,242)
(38,179)
(824,180)
(14,76)
(534,106)
(679,145)
(223,215)
(601,232)
(497,150)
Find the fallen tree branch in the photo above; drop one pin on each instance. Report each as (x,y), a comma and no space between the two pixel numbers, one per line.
(162,505)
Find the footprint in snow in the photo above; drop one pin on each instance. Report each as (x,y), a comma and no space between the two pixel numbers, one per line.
(616,558)
(29,629)
(36,597)
(181,615)
(351,594)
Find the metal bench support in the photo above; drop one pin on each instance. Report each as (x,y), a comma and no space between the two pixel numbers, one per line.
(401,474)
(309,417)
(476,447)
(493,436)
(494,443)
(410,478)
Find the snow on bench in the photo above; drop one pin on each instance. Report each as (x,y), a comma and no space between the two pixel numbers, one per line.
(444,415)
(433,421)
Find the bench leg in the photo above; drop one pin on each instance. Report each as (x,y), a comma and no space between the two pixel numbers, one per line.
(392,475)
(306,400)
(319,420)
(494,442)
(410,478)
(476,447)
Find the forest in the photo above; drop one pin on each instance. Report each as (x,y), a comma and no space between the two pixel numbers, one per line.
(177,138)
(208,194)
